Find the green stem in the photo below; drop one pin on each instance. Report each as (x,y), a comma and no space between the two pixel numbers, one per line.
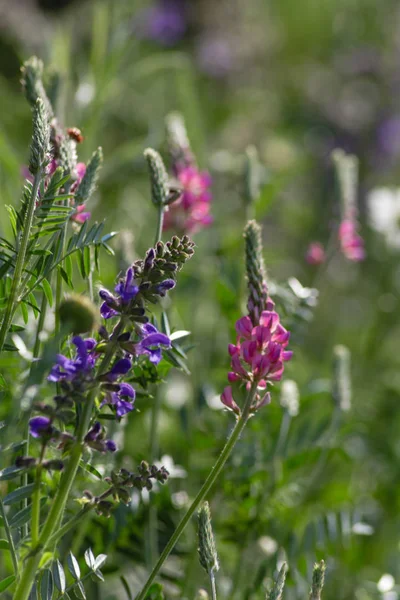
(20,262)
(153,512)
(212,477)
(69,525)
(31,565)
(36,506)
(212,584)
(9,537)
(160,222)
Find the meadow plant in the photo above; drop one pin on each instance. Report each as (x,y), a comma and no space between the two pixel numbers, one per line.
(84,380)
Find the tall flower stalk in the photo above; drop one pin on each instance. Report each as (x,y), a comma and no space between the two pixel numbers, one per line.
(263,350)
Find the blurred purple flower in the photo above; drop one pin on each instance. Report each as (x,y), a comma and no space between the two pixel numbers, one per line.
(388,136)
(215,56)
(164,22)
(39,426)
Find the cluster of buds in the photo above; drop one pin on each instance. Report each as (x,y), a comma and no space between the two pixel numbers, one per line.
(147,280)
(55,148)
(259,354)
(121,482)
(351,243)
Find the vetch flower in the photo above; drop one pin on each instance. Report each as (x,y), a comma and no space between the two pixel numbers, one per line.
(151,343)
(315,254)
(126,289)
(76,369)
(40,427)
(96,439)
(120,395)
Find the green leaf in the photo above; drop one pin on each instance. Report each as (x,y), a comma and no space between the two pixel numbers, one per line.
(23,516)
(177,335)
(59,576)
(64,275)
(48,292)
(46,585)
(6,582)
(99,562)
(24,310)
(68,267)
(126,587)
(91,469)
(10,473)
(80,591)
(155,592)
(73,566)
(4,545)
(19,494)
(89,558)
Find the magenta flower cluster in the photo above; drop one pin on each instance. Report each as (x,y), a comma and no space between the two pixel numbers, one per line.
(351,243)
(258,356)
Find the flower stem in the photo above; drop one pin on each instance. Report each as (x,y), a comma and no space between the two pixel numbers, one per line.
(36,506)
(212,583)
(20,262)
(160,222)
(9,537)
(212,477)
(31,564)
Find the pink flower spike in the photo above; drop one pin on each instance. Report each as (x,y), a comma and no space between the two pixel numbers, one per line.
(315,254)
(232,377)
(80,216)
(244,327)
(228,401)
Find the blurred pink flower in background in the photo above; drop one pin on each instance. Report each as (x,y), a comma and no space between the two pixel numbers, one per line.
(351,242)
(191,211)
(315,254)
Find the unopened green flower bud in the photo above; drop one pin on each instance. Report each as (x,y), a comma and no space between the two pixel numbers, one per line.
(32,73)
(40,146)
(78,314)
(255,271)
(207,550)
(158,177)
(88,183)
(202,595)
(277,589)
(318,579)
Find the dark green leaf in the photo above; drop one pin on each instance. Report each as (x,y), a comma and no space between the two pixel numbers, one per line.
(6,582)
(46,585)
(10,473)
(91,469)
(73,566)
(19,494)
(59,576)
(46,287)
(80,591)
(4,545)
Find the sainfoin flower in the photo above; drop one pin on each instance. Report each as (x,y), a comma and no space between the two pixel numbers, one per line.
(191,211)
(351,242)
(257,357)
(315,254)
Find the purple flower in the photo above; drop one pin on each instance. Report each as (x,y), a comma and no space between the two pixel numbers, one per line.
(40,426)
(77,368)
(165,22)
(126,289)
(95,438)
(121,367)
(122,395)
(150,343)
(166,285)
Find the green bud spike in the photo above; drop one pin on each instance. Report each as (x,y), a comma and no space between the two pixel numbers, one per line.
(158,177)
(88,183)
(178,141)
(207,550)
(255,270)
(347,174)
(78,314)
(318,579)
(68,156)
(32,73)
(276,591)
(52,84)
(40,146)
(341,385)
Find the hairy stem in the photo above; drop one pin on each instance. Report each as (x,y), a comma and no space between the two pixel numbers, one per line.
(212,477)
(160,222)
(9,537)
(20,262)
(212,584)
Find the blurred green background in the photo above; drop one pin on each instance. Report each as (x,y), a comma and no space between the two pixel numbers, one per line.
(295,80)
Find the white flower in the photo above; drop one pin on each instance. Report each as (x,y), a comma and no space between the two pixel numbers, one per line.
(384,213)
